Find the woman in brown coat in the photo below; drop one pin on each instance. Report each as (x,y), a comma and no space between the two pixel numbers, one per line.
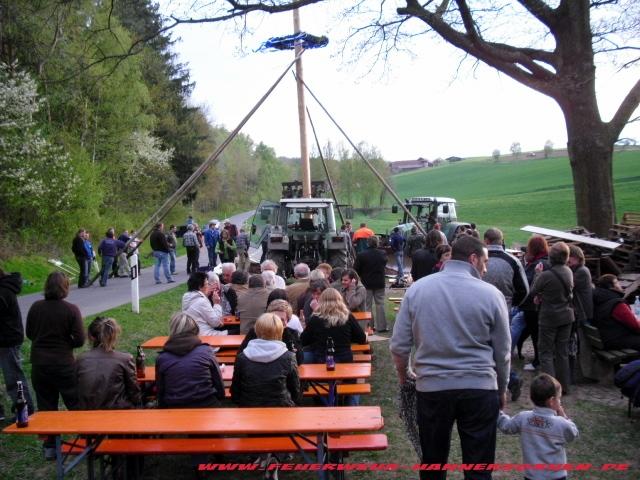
(106,377)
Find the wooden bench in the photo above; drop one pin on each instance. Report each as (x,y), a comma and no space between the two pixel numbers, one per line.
(227,445)
(612,357)
(323,390)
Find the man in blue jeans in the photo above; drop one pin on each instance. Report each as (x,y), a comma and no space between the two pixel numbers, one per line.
(397,245)
(108,250)
(11,338)
(160,247)
(459,326)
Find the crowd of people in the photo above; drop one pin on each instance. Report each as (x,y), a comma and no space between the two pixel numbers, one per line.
(469,308)
(468,316)
(187,373)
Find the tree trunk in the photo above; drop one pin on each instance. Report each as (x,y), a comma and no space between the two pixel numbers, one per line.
(591,158)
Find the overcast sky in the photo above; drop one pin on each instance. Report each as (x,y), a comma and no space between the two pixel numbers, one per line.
(419,109)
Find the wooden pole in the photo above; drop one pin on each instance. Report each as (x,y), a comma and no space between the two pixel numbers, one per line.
(368,163)
(304,151)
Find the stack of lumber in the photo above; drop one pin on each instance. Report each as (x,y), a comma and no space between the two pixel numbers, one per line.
(627,233)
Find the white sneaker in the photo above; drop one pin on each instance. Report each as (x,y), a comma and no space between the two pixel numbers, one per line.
(529,368)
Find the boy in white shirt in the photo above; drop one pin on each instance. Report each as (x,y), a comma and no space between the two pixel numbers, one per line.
(544,431)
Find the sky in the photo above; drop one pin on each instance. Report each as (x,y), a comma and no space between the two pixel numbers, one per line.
(423,106)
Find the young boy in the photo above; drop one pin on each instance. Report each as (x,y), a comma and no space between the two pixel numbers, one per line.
(544,431)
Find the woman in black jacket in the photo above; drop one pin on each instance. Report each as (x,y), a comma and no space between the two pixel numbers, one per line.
(331,319)
(266,373)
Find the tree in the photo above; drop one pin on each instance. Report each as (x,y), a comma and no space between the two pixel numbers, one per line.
(557,60)
(38,183)
(496,155)
(548,148)
(516,149)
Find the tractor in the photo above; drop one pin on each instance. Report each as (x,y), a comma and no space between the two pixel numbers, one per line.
(300,230)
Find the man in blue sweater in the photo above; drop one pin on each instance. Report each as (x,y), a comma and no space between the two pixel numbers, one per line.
(459,326)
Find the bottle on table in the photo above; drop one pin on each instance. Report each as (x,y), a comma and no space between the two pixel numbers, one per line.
(636,307)
(369,330)
(140,362)
(22,410)
(331,352)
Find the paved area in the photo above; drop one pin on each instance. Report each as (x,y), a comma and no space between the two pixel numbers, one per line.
(96,299)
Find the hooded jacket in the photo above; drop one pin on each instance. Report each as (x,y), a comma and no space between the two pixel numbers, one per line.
(266,375)
(188,374)
(11,329)
(290,337)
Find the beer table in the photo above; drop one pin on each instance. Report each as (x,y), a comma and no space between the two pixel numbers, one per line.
(361,316)
(228,341)
(230,321)
(298,423)
(307,372)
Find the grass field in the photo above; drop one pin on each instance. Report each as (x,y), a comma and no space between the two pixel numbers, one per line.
(606,434)
(511,194)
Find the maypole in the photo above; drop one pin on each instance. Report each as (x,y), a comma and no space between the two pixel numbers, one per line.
(304,151)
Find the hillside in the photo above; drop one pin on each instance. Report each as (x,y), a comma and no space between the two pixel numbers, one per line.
(511,194)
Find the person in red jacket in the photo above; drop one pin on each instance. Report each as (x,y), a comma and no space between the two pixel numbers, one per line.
(618,326)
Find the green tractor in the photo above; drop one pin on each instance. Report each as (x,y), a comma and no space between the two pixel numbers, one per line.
(300,230)
(429,211)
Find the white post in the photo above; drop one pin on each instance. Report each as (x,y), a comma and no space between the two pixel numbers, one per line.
(135,292)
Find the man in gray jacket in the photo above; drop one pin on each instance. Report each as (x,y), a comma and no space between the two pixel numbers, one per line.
(459,326)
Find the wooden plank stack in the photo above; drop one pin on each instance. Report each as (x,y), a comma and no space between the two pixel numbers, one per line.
(627,233)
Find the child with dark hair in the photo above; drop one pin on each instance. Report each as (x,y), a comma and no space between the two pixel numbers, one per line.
(544,431)
(106,377)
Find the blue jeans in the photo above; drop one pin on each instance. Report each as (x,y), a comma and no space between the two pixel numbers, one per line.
(84,264)
(400,264)
(172,261)
(107,264)
(517,326)
(11,364)
(475,413)
(211,251)
(162,258)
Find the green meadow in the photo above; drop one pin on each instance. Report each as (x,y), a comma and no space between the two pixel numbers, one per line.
(512,193)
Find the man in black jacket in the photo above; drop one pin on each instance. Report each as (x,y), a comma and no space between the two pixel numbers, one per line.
(370,266)
(11,338)
(82,257)
(160,247)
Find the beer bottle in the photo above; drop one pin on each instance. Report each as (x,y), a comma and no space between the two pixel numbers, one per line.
(331,351)
(140,362)
(369,330)
(22,410)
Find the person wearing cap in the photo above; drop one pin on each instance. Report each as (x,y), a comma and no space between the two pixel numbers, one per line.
(190,242)
(231,228)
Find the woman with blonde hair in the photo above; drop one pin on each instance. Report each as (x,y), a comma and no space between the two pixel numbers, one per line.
(290,336)
(106,377)
(266,372)
(187,373)
(332,319)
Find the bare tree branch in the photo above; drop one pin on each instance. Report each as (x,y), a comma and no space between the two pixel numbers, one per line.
(625,110)
(541,11)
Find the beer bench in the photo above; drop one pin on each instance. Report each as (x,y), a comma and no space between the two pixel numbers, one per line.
(323,430)
(611,357)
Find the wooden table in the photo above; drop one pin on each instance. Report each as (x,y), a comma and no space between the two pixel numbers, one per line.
(229,341)
(310,371)
(218,341)
(361,316)
(230,321)
(295,422)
